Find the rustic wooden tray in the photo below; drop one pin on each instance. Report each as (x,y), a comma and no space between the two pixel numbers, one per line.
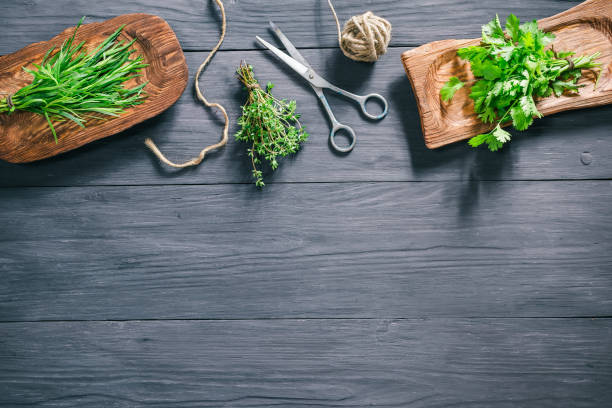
(26,137)
(585,29)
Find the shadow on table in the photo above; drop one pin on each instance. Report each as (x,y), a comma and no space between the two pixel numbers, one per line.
(60,171)
(470,167)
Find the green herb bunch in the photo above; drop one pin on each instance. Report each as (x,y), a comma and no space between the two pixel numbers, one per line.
(71,84)
(512,69)
(269,125)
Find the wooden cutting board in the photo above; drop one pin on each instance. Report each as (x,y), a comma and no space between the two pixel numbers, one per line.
(585,29)
(26,137)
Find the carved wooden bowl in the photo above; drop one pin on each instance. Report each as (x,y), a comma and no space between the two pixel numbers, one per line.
(585,29)
(26,137)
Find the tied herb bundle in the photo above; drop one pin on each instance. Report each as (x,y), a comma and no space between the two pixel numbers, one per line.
(71,84)
(512,69)
(269,125)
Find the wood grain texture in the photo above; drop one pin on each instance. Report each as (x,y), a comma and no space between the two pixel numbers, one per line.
(552,363)
(450,252)
(389,150)
(196,22)
(26,137)
(307,250)
(585,29)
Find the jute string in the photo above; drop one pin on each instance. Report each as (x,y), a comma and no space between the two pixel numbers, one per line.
(364,37)
(8,99)
(197,160)
(570,62)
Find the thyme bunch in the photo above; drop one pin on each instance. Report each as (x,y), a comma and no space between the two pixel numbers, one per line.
(268,124)
(71,84)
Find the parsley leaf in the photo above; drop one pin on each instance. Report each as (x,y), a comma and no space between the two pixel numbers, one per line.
(492,33)
(494,139)
(561,86)
(490,71)
(512,27)
(448,90)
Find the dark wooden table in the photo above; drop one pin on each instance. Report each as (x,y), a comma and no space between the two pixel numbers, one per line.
(394,276)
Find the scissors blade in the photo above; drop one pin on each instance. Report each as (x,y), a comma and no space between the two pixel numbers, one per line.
(294,64)
(288,44)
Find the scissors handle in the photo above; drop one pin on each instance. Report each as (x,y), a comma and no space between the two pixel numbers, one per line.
(336,127)
(363,100)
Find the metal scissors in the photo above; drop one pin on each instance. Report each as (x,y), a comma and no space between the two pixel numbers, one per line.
(299,64)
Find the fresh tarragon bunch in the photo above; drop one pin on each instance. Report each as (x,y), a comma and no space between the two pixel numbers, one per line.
(512,69)
(72,84)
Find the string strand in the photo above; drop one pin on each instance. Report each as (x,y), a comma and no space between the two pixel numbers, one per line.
(8,99)
(333,10)
(197,160)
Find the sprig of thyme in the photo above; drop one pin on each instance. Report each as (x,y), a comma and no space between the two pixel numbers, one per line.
(71,84)
(512,69)
(269,125)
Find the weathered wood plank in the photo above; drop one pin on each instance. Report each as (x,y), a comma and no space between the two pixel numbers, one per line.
(391,150)
(307,250)
(196,21)
(328,363)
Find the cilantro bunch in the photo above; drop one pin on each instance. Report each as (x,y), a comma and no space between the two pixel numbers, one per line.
(514,68)
(270,125)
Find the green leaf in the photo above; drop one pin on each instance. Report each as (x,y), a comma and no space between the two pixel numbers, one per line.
(506,52)
(489,115)
(448,90)
(494,139)
(501,135)
(528,106)
(490,139)
(524,112)
(478,140)
(520,121)
(472,53)
(512,27)
(544,39)
(490,71)
(527,40)
(561,86)
(492,33)
(531,64)
(529,27)
(479,93)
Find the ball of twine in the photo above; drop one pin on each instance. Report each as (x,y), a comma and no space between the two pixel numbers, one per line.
(364,37)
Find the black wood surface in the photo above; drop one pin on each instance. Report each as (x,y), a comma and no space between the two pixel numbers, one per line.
(308,250)
(196,21)
(395,276)
(554,363)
